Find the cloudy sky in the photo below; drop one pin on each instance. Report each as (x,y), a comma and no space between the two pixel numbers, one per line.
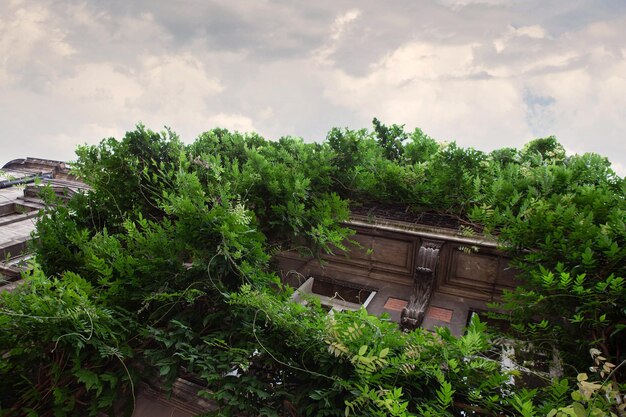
(485,73)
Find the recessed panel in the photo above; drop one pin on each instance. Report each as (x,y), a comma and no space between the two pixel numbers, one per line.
(507,276)
(359,250)
(476,267)
(391,251)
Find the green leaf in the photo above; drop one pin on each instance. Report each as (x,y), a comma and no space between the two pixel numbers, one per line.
(587,257)
(444,394)
(87,377)
(579,409)
(164,370)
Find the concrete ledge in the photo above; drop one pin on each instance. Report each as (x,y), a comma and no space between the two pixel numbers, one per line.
(421,230)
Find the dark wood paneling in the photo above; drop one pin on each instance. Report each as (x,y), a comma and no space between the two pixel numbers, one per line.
(383,256)
(385,253)
(481,274)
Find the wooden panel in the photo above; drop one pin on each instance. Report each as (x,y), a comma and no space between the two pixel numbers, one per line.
(507,275)
(475,267)
(359,251)
(480,276)
(391,251)
(388,257)
(385,252)
(358,273)
(6,209)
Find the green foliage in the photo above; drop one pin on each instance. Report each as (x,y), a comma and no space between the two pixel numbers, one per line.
(574,308)
(125,176)
(60,235)
(165,266)
(599,397)
(286,184)
(364,365)
(390,139)
(453,172)
(60,348)
(543,151)
(420,148)
(562,220)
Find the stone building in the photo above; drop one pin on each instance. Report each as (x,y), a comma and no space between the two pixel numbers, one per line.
(418,274)
(20,204)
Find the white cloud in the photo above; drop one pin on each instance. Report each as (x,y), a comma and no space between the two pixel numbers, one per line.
(532,32)
(231,122)
(30,40)
(589,105)
(323,54)
(172,81)
(438,88)
(487,73)
(536,84)
(161,90)
(99,83)
(266,113)
(342,20)
(89,91)
(460,4)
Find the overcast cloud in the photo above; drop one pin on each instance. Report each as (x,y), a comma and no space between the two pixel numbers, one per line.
(485,73)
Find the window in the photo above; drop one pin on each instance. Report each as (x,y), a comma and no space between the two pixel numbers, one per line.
(335,295)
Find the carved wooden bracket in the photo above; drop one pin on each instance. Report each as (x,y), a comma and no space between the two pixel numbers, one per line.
(413,314)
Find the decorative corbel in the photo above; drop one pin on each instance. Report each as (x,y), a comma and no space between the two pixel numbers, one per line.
(413,314)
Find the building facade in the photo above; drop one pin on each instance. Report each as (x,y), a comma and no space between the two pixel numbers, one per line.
(438,275)
(20,204)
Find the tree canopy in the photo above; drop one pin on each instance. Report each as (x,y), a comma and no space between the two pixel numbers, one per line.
(165,268)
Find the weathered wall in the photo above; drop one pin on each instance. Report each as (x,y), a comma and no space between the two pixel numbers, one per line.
(470,272)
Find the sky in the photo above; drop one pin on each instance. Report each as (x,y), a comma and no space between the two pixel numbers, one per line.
(484,73)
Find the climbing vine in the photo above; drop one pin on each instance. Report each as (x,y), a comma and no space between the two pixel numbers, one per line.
(165,268)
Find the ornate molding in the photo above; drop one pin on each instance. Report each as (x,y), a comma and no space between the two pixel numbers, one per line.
(413,314)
